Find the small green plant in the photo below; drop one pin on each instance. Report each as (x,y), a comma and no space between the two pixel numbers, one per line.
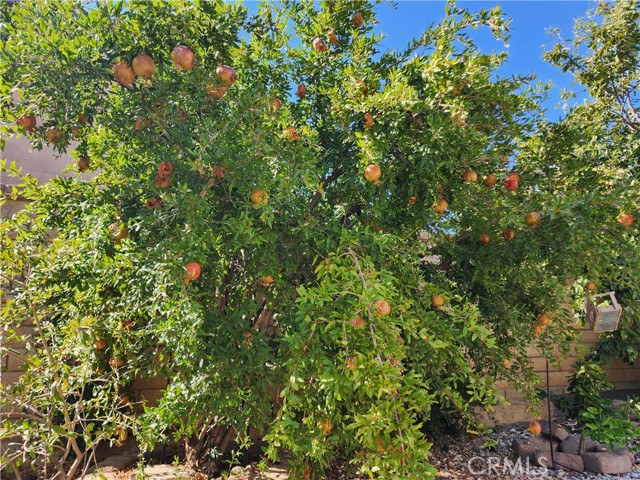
(596,415)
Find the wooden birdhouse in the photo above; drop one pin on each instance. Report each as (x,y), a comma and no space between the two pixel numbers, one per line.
(603,312)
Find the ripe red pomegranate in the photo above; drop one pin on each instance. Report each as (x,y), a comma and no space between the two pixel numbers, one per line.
(368,121)
(357,20)
(470,176)
(358,322)
(319,45)
(143,66)
(183,57)
(591,287)
(162,181)
(372,173)
(216,92)
(54,134)
(117,232)
(165,168)
(485,239)
(219,172)
(333,37)
(100,344)
(76,132)
(83,164)
(301,92)
(226,75)
(152,203)
(511,182)
(441,206)
(27,122)
(544,320)
(193,271)
(277,103)
(626,219)
(291,134)
(412,200)
(352,363)
(490,180)
(533,219)
(182,115)
(508,234)
(123,73)
(260,198)
(115,362)
(267,281)
(382,307)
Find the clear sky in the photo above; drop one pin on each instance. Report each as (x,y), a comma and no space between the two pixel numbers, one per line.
(530,21)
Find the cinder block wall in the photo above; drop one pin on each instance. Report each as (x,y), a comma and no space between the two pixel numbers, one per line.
(622,375)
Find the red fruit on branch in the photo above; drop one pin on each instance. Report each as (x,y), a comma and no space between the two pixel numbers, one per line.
(123,73)
(357,20)
(437,301)
(372,173)
(267,281)
(301,92)
(485,239)
(368,121)
(319,45)
(99,344)
(54,134)
(143,66)
(183,58)
(162,181)
(165,168)
(291,134)
(83,164)
(152,203)
(544,320)
(216,92)
(76,132)
(511,182)
(325,425)
(470,176)
(116,362)
(277,103)
(260,198)
(412,200)
(490,180)
(193,271)
(219,172)
(626,219)
(508,234)
(591,287)
(117,232)
(441,206)
(333,37)
(382,307)
(533,219)
(358,322)
(27,122)
(352,363)
(226,75)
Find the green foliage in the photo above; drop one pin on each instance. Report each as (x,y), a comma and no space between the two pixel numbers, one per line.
(597,418)
(92,258)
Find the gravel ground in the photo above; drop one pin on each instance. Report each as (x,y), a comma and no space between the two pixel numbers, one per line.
(465,458)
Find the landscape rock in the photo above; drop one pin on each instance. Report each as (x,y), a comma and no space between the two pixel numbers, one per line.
(566,461)
(527,447)
(572,444)
(606,462)
(557,432)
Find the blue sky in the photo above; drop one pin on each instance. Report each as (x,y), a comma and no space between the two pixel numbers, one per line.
(529,32)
